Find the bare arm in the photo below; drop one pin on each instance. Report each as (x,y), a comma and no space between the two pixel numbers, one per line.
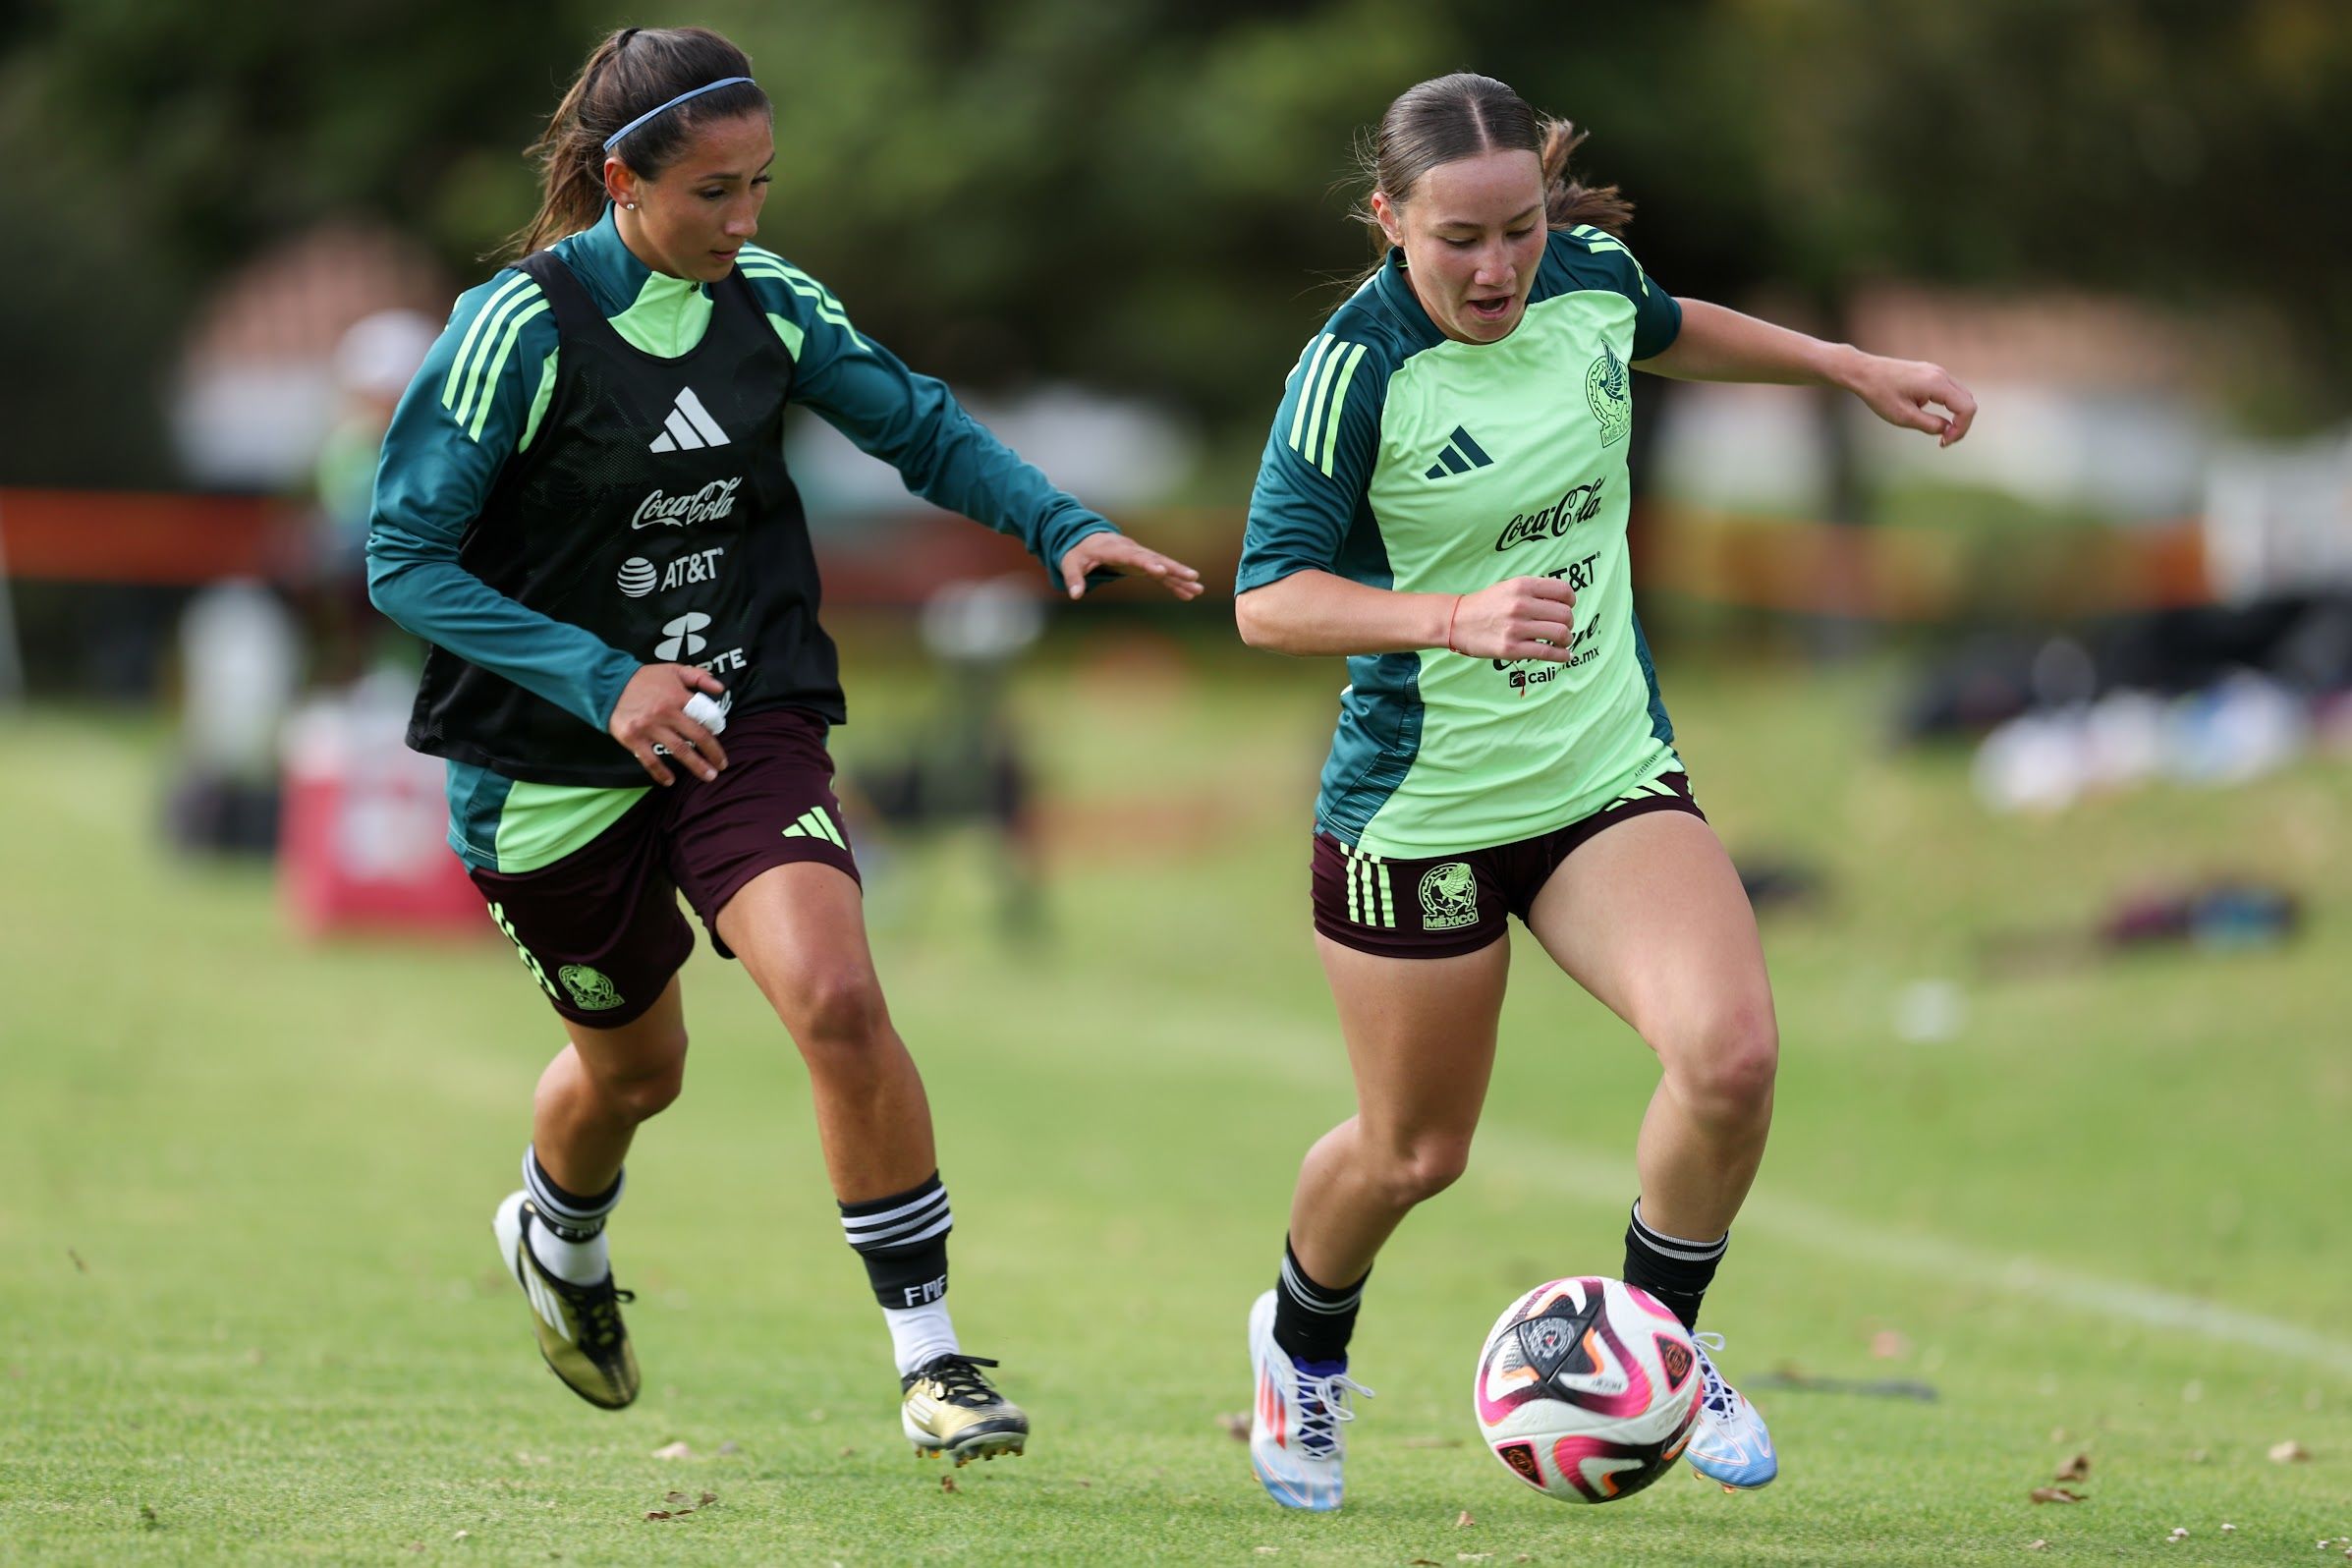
(1312,613)
(1722,345)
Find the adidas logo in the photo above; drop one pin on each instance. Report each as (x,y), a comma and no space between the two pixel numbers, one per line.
(688,427)
(1460,456)
(814,823)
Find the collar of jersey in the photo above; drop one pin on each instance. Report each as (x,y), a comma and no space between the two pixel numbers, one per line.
(616,279)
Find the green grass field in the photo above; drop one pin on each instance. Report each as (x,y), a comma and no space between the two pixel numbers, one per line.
(251,1308)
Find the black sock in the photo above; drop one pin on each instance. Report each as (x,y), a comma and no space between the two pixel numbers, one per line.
(1674,1270)
(569,1215)
(903,1239)
(1311,1322)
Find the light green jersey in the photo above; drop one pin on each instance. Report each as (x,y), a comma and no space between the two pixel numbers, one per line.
(1406,460)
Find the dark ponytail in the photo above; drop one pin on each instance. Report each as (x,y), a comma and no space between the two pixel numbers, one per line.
(1464,115)
(629,72)
(1566,203)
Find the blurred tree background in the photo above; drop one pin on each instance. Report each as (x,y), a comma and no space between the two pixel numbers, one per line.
(1154,196)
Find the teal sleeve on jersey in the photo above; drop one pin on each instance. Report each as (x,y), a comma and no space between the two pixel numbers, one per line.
(914,422)
(1318,463)
(1596,257)
(458,423)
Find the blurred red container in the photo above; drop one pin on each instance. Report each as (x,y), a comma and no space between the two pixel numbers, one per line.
(363,841)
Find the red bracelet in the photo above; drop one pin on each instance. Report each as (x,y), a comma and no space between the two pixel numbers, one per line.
(1449,623)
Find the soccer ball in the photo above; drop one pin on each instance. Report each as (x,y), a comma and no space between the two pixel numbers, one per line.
(1587,1389)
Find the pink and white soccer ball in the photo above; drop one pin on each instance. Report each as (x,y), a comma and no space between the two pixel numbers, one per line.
(1587,1389)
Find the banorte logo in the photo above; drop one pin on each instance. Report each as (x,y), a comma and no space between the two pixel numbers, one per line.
(1579,505)
(706,505)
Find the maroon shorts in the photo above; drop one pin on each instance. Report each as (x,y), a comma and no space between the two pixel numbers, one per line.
(1457,903)
(600,930)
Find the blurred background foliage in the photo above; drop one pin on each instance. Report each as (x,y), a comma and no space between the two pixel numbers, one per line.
(1154,197)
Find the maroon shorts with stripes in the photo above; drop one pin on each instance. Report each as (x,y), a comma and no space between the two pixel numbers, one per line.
(1456,902)
(600,930)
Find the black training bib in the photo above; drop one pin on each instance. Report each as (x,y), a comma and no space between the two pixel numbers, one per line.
(654,509)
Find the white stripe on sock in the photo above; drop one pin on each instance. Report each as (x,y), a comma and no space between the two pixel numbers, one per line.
(937,1195)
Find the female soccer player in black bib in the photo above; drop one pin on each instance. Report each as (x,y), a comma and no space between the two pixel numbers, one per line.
(1443,502)
(584,507)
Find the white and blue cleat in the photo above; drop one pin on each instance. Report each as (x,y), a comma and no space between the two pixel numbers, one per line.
(1729,1445)
(1296,1445)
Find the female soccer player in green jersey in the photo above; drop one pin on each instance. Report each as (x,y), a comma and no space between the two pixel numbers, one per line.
(1443,502)
(582,505)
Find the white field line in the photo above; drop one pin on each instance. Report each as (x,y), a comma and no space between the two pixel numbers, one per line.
(1826,1232)
(1308,1055)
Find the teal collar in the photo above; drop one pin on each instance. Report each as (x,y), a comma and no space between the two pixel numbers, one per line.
(615,278)
(1404,305)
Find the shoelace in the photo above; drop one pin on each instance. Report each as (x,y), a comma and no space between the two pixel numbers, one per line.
(1323,1408)
(601,1317)
(959,1380)
(1718,1394)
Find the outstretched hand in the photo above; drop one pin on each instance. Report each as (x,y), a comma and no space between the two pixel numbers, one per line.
(1116,552)
(1906,392)
(650,720)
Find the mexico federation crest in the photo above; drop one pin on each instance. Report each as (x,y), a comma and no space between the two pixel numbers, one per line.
(1606,389)
(591,990)
(1449,897)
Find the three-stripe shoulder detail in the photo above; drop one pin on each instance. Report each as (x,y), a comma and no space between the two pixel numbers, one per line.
(1326,372)
(773,268)
(483,353)
(1599,242)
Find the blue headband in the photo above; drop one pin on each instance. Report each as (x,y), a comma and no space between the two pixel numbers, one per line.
(696,93)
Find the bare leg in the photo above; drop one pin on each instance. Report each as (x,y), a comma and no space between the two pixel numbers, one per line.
(799,930)
(601,1086)
(1649,917)
(1421,1038)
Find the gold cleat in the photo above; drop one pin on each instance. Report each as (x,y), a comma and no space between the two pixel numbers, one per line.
(950,1408)
(580,1334)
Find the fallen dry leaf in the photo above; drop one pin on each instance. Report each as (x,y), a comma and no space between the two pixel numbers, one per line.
(2226,1528)
(2289,1452)
(680,1505)
(461,1535)
(849,1453)
(2076,1469)
(1465,1521)
(2178,1534)
(947,1484)
(2043,1494)
(1424,1562)
(1236,1427)
(1887,1345)
(676,1450)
